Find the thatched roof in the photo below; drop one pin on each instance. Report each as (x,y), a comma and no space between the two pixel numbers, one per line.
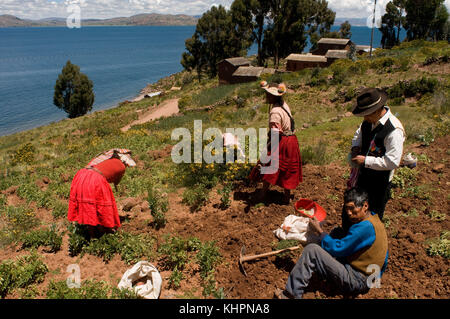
(248,71)
(237,61)
(306,58)
(337,54)
(334,41)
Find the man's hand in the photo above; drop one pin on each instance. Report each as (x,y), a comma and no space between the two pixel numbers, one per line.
(355,151)
(315,225)
(359,159)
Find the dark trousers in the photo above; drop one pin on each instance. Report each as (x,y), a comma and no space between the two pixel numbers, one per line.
(315,259)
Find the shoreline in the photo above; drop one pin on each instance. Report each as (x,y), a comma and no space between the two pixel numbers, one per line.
(132,99)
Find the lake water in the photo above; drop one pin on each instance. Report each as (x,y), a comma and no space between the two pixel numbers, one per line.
(120,61)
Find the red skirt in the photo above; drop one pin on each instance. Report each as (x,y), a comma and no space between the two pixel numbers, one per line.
(289,173)
(92,201)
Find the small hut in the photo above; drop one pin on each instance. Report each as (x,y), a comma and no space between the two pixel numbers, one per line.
(227,67)
(246,74)
(297,62)
(326,44)
(333,55)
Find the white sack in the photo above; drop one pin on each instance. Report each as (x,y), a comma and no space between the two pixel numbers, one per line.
(151,289)
(297,228)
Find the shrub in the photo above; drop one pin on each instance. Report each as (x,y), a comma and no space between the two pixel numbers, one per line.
(20,219)
(48,238)
(316,155)
(418,87)
(24,155)
(318,77)
(21,273)
(184,103)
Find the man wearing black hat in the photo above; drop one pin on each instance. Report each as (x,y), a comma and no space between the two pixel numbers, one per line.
(377,148)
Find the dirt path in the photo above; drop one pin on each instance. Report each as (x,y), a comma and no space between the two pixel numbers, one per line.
(165,109)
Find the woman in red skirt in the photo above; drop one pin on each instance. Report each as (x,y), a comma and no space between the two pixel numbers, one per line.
(91,200)
(287,154)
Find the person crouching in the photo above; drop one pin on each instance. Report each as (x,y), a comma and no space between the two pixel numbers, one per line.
(92,201)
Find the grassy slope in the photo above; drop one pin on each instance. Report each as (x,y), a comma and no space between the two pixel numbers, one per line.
(62,148)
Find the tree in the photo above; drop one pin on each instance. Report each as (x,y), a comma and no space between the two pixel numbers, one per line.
(425,19)
(390,21)
(251,15)
(216,38)
(195,59)
(73,91)
(344,31)
(291,23)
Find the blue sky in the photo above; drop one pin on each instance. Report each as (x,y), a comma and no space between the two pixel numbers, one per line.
(38,9)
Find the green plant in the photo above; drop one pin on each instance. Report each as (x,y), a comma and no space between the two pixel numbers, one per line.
(59,209)
(174,253)
(159,205)
(130,247)
(283,244)
(89,289)
(47,237)
(404,177)
(412,213)
(440,246)
(207,257)
(196,197)
(20,219)
(21,273)
(437,216)
(78,238)
(175,278)
(316,155)
(24,155)
(225,192)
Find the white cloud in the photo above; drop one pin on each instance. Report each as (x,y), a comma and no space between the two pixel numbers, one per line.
(37,9)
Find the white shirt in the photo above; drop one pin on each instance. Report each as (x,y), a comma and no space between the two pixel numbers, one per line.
(393,143)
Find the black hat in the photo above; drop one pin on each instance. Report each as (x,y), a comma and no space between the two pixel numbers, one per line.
(368,101)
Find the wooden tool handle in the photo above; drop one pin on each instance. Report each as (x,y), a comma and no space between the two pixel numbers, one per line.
(276,252)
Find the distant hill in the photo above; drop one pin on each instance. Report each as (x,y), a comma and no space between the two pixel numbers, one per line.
(152,19)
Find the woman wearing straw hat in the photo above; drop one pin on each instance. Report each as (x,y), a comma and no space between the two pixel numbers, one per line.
(289,173)
(91,200)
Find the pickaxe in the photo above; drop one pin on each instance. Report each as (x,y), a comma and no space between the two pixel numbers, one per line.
(243,258)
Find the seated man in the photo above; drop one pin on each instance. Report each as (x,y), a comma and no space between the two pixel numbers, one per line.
(345,263)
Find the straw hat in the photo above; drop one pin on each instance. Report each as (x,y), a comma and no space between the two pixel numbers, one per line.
(274,89)
(369,101)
